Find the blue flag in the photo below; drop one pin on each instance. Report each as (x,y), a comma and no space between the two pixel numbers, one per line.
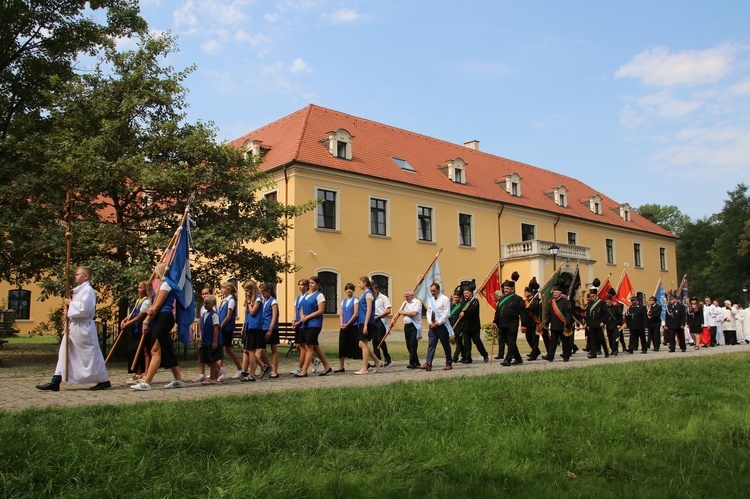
(661,299)
(179,279)
(432,276)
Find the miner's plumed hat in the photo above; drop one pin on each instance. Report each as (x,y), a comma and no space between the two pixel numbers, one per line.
(533,286)
(512,283)
(594,288)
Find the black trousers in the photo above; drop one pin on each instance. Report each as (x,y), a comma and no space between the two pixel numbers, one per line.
(612,336)
(410,335)
(567,344)
(380,330)
(472,336)
(670,336)
(635,336)
(597,341)
(533,340)
(713,335)
(654,338)
(510,337)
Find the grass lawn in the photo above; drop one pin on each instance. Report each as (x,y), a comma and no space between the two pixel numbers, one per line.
(668,428)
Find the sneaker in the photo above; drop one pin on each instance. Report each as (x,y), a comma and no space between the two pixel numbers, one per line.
(221,377)
(247,378)
(200,378)
(237,375)
(176,383)
(141,387)
(316,363)
(266,369)
(296,371)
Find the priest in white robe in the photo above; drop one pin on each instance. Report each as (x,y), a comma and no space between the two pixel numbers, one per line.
(85,362)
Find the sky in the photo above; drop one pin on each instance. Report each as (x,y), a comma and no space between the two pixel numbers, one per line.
(644,101)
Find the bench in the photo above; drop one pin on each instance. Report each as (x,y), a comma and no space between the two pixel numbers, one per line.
(286,335)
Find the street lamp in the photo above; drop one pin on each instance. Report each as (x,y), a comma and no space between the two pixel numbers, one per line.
(554,250)
(744,293)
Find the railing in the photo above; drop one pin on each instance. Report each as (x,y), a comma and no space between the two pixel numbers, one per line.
(536,247)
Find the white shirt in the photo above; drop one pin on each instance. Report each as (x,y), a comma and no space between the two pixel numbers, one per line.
(442,309)
(382,303)
(414,306)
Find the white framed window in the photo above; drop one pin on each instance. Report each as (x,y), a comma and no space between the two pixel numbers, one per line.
(465,229)
(637,261)
(609,245)
(379,216)
(457,170)
(328,210)
(663,258)
(595,204)
(339,143)
(512,184)
(330,284)
(572,238)
(625,212)
(561,196)
(425,223)
(528,232)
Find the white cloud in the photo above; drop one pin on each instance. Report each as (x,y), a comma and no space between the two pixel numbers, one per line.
(271,17)
(185,15)
(342,16)
(253,39)
(299,66)
(740,88)
(658,67)
(210,46)
(663,105)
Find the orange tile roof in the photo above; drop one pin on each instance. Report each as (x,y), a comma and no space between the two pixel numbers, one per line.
(296,138)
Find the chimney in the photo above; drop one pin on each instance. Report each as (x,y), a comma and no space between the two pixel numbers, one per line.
(472,144)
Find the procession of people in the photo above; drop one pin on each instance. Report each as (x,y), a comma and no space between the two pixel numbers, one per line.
(366,324)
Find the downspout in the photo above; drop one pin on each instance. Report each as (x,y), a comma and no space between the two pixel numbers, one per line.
(554,229)
(500,244)
(286,249)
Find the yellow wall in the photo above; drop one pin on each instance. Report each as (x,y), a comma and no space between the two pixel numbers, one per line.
(352,252)
(39,310)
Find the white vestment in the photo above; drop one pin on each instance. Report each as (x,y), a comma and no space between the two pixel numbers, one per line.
(85,359)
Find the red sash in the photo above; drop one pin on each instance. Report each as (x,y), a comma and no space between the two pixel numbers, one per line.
(558,313)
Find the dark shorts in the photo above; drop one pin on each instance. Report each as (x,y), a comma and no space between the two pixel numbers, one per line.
(349,343)
(210,356)
(299,336)
(161,331)
(311,335)
(274,338)
(361,334)
(227,337)
(254,339)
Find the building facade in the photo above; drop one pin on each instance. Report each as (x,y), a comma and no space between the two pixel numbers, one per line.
(390,200)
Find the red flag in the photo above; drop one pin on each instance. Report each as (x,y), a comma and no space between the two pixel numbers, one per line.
(604,290)
(625,290)
(491,284)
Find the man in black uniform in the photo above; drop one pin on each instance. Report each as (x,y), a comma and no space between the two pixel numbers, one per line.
(613,321)
(531,318)
(636,320)
(472,326)
(675,323)
(507,315)
(595,321)
(559,322)
(653,314)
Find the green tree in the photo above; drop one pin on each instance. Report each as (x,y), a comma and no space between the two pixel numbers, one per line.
(118,142)
(668,216)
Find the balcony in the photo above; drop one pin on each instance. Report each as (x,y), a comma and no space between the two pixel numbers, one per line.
(536,248)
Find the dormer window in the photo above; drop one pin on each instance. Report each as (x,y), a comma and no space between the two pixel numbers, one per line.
(561,196)
(625,212)
(339,143)
(253,148)
(512,184)
(457,170)
(595,204)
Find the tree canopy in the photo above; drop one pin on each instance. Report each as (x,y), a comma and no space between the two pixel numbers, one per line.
(668,216)
(116,139)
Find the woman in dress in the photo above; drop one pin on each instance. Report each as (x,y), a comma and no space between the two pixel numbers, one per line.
(270,328)
(253,338)
(366,327)
(349,316)
(227,318)
(312,306)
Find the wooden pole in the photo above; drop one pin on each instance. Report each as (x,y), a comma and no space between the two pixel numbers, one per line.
(68,237)
(419,283)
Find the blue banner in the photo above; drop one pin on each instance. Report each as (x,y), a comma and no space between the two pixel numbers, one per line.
(179,279)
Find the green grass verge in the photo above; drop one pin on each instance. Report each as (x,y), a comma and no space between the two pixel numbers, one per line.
(671,428)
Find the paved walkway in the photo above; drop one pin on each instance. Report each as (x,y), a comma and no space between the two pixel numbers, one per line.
(17,381)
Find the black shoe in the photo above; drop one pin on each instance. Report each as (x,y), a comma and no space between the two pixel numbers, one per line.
(498,357)
(566,359)
(533,358)
(629,350)
(411,366)
(516,362)
(50,387)
(644,351)
(671,350)
(486,358)
(591,356)
(547,358)
(101,386)
(326,373)
(614,354)
(387,362)
(505,363)
(466,361)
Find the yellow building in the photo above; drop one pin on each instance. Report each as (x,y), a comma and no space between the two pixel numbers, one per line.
(390,199)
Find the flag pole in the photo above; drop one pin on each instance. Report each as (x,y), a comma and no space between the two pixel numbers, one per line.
(478,290)
(419,283)
(656,290)
(68,237)
(168,254)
